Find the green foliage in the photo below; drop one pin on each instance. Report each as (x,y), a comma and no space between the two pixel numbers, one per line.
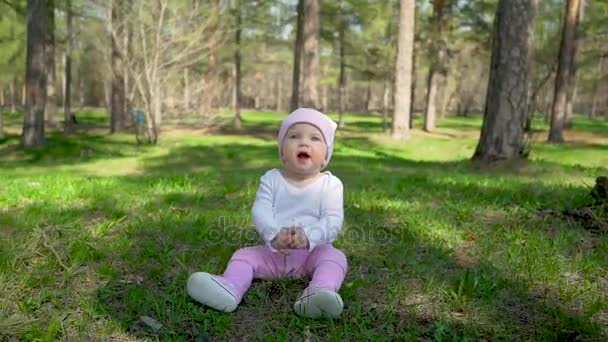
(12,43)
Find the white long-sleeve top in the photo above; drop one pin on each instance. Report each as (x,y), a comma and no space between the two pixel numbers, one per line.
(317,207)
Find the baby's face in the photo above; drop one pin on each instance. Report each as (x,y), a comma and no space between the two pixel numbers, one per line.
(303,150)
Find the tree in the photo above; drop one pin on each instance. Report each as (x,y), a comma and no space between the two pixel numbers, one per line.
(236,73)
(507,95)
(33,122)
(438,47)
(566,53)
(68,126)
(297,54)
(51,104)
(118,117)
(403,70)
(310,77)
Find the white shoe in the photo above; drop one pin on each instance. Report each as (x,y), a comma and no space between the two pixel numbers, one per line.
(206,289)
(321,303)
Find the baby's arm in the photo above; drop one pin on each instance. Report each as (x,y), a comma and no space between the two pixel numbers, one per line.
(262,211)
(332,216)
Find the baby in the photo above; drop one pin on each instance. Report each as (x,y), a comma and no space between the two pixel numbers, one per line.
(298,213)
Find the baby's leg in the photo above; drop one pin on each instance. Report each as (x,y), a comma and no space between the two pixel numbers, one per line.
(225,292)
(327,267)
(248,263)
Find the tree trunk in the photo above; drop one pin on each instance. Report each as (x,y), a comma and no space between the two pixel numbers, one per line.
(13,90)
(341,76)
(507,96)
(310,82)
(118,94)
(186,91)
(438,47)
(51,104)
(236,72)
(596,88)
(297,54)
(68,126)
(403,70)
(368,95)
(279,84)
(385,105)
(414,82)
(35,74)
(566,50)
(578,41)
(431,100)
(24,93)
(532,101)
(1,125)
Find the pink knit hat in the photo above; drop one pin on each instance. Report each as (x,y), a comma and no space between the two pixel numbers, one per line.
(310,116)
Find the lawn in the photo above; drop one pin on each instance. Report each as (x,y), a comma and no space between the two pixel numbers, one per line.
(97,232)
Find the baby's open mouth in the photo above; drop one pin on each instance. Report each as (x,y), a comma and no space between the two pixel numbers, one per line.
(303,155)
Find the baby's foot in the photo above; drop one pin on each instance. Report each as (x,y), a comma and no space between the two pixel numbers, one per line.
(209,290)
(319,303)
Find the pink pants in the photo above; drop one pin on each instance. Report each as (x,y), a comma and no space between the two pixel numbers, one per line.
(325,265)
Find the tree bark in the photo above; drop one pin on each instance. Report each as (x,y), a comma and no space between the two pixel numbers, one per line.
(13,90)
(414,82)
(310,81)
(35,74)
(186,90)
(507,96)
(341,76)
(438,47)
(566,50)
(68,126)
(297,54)
(431,100)
(403,70)
(578,41)
(279,94)
(385,105)
(236,73)
(118,94)
(51,104)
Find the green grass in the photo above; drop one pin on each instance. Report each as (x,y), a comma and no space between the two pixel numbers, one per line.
(96,232)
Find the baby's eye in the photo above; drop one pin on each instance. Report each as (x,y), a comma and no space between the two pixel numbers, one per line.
(315,138)
(293,136)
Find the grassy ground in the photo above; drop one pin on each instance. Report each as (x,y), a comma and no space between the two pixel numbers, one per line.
(96,232)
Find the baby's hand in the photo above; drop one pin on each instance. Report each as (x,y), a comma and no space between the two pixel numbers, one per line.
(298,238)
(282,241)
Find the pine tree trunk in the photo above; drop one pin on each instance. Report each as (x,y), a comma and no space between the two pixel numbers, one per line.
(186,91)
(236,71)
(414,82)
(67,94)
(431,100)
(507,95)
(385,104)
(297,54)
(35,74)
(279,89)
(310,72)
(13,90)
(341,77)
(51,104)
(403,70)
(572,91)
(566,50)
(118,92)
